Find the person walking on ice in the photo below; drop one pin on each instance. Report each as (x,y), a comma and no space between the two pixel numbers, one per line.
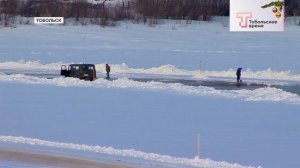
(238,75)
(107,67)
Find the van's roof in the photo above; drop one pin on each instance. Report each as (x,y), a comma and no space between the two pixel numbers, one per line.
(82,65)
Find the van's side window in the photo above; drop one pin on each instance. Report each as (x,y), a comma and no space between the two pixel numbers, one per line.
(75,67)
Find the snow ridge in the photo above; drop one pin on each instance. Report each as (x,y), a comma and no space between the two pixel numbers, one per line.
(164,159)
(162,70)
(261,94)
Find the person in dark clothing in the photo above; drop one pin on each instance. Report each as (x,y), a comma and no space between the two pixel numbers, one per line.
(238,75)
(107,71)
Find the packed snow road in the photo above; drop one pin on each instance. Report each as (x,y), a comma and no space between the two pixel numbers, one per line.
(216,83)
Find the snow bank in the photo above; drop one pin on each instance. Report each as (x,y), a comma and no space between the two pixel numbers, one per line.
(261,94)
(165,159)
(267,74)
(30,65)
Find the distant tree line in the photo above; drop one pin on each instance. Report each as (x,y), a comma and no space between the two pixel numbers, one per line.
(292,7)
(182,9)
(80,10)
(8,11)
(138,10)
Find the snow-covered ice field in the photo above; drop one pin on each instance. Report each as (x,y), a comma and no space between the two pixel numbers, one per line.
(157,122)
